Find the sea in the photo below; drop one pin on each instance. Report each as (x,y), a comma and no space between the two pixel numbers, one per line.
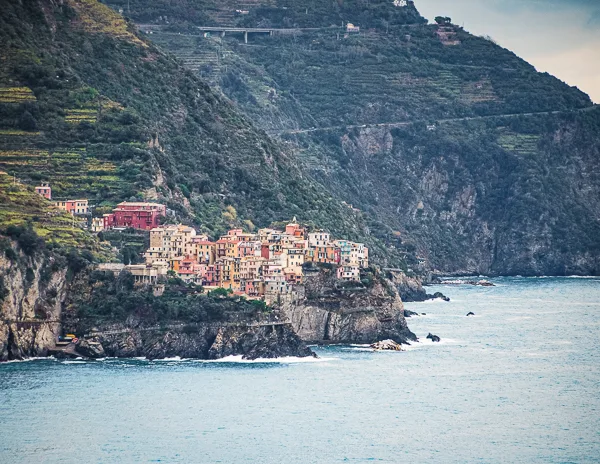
(519,382)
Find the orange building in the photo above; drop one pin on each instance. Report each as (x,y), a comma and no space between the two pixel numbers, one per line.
(205,250)
(73,206)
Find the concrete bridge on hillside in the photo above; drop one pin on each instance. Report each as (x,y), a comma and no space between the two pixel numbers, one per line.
(223,30)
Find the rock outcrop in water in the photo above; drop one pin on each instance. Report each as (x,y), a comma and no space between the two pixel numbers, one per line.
(387,345)
(433,338)
(411,288)
(330,313)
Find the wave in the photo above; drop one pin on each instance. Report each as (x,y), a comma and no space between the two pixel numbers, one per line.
(282,360)
(74,362)
(434,300)
(39,358)
(423,342)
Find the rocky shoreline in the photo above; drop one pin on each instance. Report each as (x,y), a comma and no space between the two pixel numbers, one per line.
(38,309)
(194,341)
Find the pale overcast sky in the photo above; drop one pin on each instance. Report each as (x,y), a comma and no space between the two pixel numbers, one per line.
(561,37)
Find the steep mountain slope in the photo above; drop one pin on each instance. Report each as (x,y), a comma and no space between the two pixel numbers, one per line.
(472,158)
(100,113)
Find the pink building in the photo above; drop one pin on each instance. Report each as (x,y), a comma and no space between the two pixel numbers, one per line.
(249,249)
(144,216)
(45,191)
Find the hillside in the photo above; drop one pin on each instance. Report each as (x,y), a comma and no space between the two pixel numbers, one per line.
(100,113)
(471,158)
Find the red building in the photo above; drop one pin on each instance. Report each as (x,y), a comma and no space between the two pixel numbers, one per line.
(144,216)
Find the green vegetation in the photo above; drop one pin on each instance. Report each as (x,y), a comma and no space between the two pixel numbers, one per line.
(449,146)
(269,13)
(115,299)
(116,119)
(34,223)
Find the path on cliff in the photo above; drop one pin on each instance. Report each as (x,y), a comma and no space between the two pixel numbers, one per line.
(439,121)
(216,325)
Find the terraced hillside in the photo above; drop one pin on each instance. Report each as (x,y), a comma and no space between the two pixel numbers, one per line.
(100,113)
(472,158)
(21,208)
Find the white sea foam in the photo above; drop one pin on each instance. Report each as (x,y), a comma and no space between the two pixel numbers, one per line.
(435,300)
(283,360)
(423,342)
(47,358)
(74,362)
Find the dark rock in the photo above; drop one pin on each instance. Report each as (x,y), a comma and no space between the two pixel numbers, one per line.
(206,341)
(90,349)
(441,296)
(408,313)
(433,338)
(470,314)
(259,342)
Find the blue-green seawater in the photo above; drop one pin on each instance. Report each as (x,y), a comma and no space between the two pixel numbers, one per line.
(517,383)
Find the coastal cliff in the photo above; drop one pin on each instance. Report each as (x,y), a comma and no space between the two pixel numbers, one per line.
(128,320)
(203,341)
(31,291)
(349,312)
(44,294)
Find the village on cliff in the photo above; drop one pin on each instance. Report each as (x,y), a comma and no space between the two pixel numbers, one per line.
(268,265)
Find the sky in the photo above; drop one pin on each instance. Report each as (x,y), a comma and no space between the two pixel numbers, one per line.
(559,37)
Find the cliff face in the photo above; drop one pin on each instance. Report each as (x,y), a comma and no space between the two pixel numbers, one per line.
(30,310)
(330,314)
(43,295)
(203,341)
(409,288)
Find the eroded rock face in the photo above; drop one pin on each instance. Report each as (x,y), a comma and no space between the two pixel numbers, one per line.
(262,342)
(90,349)
(205,341)
(361,315)
(30,311)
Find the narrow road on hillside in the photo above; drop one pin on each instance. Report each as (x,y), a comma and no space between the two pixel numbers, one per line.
(440,121)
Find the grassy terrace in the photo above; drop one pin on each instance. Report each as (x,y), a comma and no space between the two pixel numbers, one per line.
(71,171)
(16,95)
(19,205)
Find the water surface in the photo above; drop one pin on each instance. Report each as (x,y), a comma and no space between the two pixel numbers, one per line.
(519,382)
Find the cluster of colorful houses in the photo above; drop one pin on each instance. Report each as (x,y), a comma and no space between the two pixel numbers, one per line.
(269,264)
(265,264)
(75,207)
